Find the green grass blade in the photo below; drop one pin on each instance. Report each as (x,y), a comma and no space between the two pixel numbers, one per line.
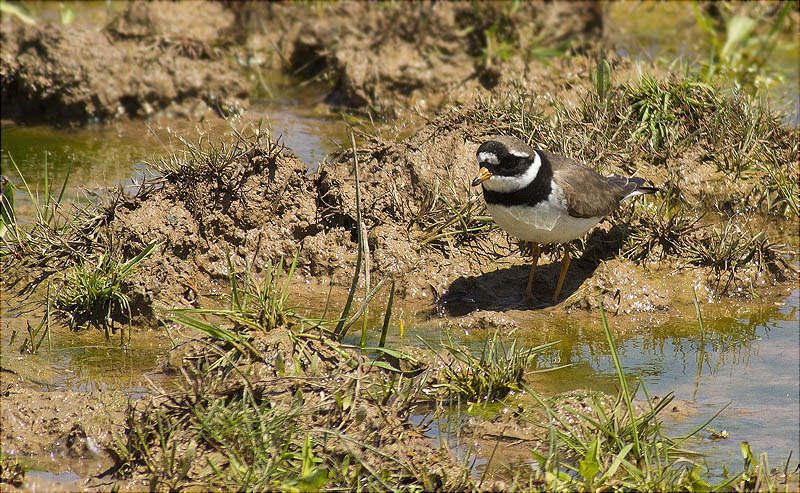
(132,263)
(236,301)
(285,292)
(612,469)
(353,286)
(622,381)
(27,187)
(64,186)
(387,316)
(7,214)
(698,314)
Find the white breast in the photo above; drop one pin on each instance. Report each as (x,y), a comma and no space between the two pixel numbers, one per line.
(546,222)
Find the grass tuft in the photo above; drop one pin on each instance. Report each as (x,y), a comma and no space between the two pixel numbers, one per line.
(255,307)
(93,294)
(729,249)
(658,231)
(42,330)
(660,110)
(451,217)
(54,240)
(498,370)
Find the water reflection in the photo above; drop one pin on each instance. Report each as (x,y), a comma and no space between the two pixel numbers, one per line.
(752,362)
(681,348)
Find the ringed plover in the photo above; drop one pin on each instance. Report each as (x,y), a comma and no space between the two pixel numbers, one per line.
(542,197)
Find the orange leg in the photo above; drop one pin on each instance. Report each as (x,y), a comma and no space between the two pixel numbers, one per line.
(529,290)
(564,266)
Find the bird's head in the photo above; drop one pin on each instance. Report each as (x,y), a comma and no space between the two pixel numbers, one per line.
(506,164)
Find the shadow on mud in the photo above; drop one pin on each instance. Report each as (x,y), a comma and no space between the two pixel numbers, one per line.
(503,289)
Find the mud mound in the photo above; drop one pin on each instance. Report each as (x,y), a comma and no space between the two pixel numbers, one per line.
(295,388)
(426,226)
(389,58)
(253,203)
(141,65)
(204,22)
(407,191)
(671,235)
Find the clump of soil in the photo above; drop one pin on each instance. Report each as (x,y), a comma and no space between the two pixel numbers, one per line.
(294,388)
(255,202)
(177,60)
(388,58)
(154,58)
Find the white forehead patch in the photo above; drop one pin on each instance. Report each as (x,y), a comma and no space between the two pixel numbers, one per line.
(488,157)
(508,184)
(517,153)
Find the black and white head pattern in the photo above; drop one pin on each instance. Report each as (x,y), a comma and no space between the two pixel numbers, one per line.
(512,168)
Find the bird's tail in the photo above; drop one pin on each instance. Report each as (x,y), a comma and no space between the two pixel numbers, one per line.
(632,186)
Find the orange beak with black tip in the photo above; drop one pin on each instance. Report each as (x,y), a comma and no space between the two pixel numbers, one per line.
(483,175)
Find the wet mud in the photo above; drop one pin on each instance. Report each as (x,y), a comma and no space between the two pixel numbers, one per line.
(244,204)
(309,384)
(179,61)
(59,431)
(391,60)
(141,64)
(261,204)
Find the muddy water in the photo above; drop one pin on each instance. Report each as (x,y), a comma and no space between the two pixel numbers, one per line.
(98,157)
(749,363)
(95,157)
(746,358)
(77,362)
(755,367)
(296,113)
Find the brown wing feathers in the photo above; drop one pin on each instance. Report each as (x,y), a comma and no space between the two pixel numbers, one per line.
(589,194)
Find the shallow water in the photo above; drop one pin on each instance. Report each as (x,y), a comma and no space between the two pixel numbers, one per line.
(753,364)
(78,361)
(750,364)
(99,157)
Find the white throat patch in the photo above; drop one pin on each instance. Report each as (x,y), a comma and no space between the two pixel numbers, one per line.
(508,184)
